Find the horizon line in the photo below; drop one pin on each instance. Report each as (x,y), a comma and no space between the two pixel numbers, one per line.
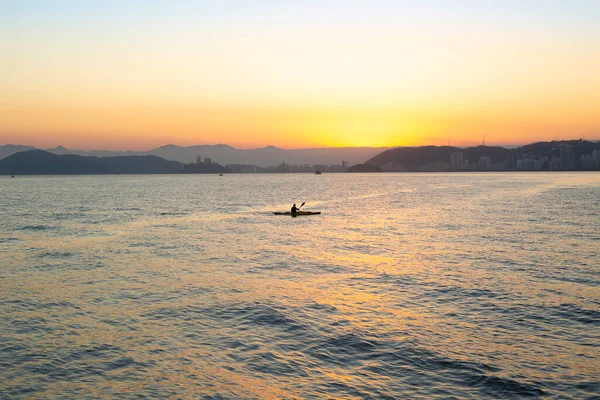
(299,148)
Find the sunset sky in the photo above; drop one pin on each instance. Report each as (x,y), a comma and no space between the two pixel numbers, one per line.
(297,74)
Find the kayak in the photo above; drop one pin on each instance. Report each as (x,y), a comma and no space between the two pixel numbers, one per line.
(299,213)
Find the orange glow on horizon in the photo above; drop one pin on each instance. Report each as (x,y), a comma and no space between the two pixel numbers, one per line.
(138,126)
(401,79)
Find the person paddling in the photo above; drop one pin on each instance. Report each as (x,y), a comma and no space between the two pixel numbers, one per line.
(295,209)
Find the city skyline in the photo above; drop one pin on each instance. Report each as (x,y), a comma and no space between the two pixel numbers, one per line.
(137,75)
(576,155)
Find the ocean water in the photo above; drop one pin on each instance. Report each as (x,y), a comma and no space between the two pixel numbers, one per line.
(407,286)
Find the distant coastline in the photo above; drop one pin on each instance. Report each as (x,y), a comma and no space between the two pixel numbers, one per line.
(574,155)
(39,162)
(264,159)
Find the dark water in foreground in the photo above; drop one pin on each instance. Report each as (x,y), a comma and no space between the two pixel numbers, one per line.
(407,286)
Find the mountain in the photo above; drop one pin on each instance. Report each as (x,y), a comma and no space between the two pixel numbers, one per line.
(39,162)
(219,153)
(412,157)
(140,165)
(224,154)
(535,156)
(266,156)
(60,150)
(9,149)
(402,158)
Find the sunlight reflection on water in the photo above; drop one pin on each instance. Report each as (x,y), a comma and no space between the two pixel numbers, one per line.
(408,285)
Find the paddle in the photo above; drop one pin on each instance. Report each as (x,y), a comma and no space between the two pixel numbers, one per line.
(297,209)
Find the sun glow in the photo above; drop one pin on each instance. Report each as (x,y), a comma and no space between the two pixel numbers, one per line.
(358,128)
(299,76)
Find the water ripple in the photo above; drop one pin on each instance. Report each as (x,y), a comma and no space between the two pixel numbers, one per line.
(406,286)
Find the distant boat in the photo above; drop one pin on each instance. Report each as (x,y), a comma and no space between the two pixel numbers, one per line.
(317,172)
(221,174)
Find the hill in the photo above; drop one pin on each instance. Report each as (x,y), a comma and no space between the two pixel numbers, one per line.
(224,154)
(10,149)
(412,157)
(563,155)
(39,162)
(364,168)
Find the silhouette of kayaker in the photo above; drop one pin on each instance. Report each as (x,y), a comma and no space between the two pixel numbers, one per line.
(294,209)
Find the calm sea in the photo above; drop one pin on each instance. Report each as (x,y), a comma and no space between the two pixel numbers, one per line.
(407,286)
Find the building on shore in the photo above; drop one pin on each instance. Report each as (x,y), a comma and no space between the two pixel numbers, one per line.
(456,161)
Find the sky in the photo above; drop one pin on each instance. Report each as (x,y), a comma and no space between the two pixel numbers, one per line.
(297,74)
